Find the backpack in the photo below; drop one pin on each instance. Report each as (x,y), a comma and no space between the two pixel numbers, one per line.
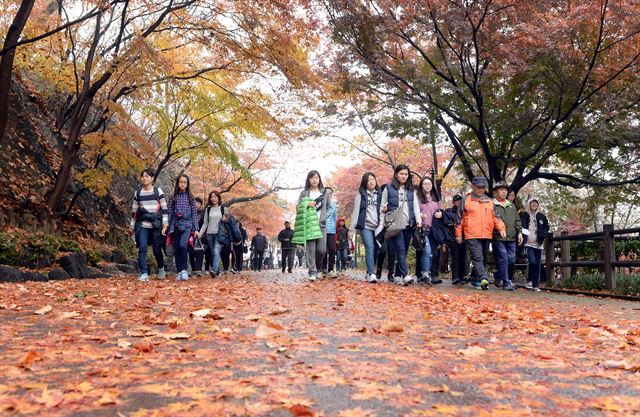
(156,195)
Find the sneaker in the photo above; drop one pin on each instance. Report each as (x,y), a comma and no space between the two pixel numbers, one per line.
(333,274)
(529,285)
(143,277)
(509,287)
(436,280)
(185,275)
(536,289)
(371,278)
(212,274)
(498,283)
(426,279)
(456,282)
(162,274)
(408,280)
(476,285)
(397,280)
(313,277)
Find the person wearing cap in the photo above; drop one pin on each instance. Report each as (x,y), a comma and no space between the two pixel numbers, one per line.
(536,226)
(504,248)
(285,237)
(478,220)
(457,250)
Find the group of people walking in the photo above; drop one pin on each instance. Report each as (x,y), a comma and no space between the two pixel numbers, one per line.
(388,217)
(391,217)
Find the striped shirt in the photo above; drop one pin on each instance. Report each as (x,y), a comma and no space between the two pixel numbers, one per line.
(149,203)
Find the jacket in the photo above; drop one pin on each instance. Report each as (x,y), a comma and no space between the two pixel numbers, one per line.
(288,235)
(324,200)
(506,211)
(477,218)
(451,220)
(361,205)
(307,225)
(542,229)
(229,231)
(259,243)
(440,230)
(330,227)
(393,198)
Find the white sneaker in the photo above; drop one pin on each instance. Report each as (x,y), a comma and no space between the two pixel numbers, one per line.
(536,289)
(529,285)
(143,277)
(397,280)
(185,275)
(333,274)
(162,274)
(408,280)
(313,277)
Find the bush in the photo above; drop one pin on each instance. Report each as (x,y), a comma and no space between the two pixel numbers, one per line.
(93,257)
(8,250)
(128,247)
(69,246)
(40,250)
(625,284)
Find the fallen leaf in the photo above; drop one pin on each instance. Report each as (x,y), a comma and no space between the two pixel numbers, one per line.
(206,313)
(358,329)
(123,344)
(299,410)
(473,351)
(69,315)
(268,328)
(278,311)
(174,336)
(627,365)
(43,310)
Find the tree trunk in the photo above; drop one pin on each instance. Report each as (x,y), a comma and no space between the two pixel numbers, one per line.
(70,153)
(6,63)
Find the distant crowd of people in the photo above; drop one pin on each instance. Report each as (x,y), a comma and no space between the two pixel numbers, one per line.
(389,219)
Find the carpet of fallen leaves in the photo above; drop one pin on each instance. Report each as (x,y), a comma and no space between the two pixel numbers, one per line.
(273,346)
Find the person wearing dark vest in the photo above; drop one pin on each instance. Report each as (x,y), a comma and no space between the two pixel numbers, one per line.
(365,218)
(536,225)
(285,238)
(149,222)
(399,195)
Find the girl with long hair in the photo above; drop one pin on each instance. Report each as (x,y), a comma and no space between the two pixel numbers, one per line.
(430,208)
(211,227)
(183,221)
(399,195)
(365,218)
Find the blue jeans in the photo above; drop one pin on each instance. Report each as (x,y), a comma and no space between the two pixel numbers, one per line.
(401,244)
(181,250)
(505,254)
(425,259)
(214,249)
(534,256)
(370,252)
(146,236)
(343,255)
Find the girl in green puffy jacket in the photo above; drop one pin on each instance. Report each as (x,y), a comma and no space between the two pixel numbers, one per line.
(311,217)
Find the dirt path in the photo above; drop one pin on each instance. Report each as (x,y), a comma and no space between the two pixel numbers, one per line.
(280,346)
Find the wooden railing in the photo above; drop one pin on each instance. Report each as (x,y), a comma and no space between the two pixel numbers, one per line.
(608,263)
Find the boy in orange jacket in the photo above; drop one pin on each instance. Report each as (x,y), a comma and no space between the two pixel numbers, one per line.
(477,223)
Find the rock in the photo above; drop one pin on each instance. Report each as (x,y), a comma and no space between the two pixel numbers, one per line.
(127,269)
(58,274)
(9,274)
(34,276)
(110,269)
(96,273)
(75,265)
(118,257)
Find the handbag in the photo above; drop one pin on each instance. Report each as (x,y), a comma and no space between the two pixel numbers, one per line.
(198,245)
(418,239)
(394,222)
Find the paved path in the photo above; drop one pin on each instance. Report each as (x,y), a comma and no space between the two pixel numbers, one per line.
(280,346)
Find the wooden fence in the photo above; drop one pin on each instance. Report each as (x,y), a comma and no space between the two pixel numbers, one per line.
(607,264)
